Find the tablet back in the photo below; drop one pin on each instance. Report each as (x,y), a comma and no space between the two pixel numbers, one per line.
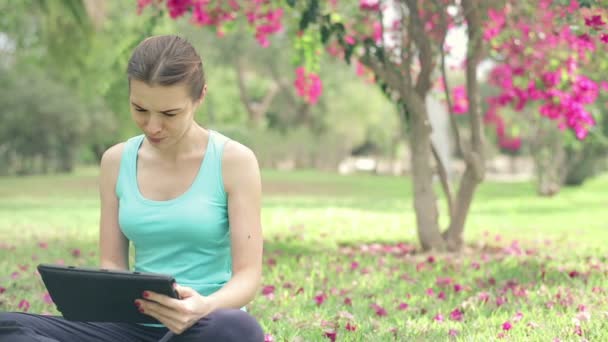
(100,295)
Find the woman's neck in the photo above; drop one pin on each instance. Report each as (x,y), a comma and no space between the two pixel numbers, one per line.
(190,143)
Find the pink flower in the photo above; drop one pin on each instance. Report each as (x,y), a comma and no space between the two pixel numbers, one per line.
(456,315)
(177,8)
(460,102)
(46,297)
(308,85)
(348,301)
(518,316)
(24,305)
(377,35)
(268,338)
(350,327)
(500,300)
(141,4)
(320,298)
(354,265)
(380,311)
(369,5)
(453,332)
(350,40)
(578,330)
(506,326)
(2,289)
(441,295)
(43,245)
(268,291)
(438,317)
(594,21)
(430,292)
(331,334)
(604,38)
(458,288)
(443,281)
(76,253)
(483,297)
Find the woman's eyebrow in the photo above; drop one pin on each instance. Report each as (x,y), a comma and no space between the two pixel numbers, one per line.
(164,111)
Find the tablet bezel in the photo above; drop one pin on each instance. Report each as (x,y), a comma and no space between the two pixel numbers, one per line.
(92,294)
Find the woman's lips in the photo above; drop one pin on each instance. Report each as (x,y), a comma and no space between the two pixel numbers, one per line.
(155,140)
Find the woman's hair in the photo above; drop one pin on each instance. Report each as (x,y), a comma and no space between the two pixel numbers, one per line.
(167,60)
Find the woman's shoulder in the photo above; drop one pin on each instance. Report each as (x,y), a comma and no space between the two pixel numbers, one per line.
(234,152)
(113,154)
(239,164)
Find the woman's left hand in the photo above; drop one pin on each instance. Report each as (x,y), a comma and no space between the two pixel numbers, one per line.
(176,314)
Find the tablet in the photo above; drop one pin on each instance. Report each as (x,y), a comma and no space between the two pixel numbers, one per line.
(101,295)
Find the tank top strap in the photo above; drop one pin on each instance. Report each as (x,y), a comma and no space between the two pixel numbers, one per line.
(127,164)
(211,177)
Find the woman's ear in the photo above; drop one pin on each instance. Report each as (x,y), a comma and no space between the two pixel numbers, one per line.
(203,94)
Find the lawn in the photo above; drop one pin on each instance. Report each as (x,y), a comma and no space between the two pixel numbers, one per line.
(341,258)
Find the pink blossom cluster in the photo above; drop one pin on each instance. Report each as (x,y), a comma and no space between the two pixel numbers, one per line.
(541,63)
(308,85)
(264,16)
(369,5)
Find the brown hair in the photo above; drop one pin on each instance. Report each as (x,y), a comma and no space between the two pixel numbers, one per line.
(167,60)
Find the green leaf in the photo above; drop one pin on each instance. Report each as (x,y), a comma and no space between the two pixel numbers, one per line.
(325,34)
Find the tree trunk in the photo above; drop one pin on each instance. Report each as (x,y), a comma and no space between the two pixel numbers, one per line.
(425,201)
(549,160)
(474,154)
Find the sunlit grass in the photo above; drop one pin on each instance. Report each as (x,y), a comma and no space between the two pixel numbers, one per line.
(515,237)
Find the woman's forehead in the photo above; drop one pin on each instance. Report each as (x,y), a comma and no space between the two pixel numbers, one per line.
(157,96)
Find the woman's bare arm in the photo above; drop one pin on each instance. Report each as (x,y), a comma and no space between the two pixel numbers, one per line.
(113,245)
(242,181)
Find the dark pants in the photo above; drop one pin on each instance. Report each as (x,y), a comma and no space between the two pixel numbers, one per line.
(221,325)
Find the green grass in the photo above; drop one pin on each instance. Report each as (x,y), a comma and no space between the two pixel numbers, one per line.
(325,236)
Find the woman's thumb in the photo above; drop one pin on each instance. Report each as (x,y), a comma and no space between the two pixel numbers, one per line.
(183,291)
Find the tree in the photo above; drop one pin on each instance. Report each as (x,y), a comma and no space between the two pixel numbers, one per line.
(402,43)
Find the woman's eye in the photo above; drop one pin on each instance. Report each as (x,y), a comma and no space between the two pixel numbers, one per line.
(140,110)
(170,115)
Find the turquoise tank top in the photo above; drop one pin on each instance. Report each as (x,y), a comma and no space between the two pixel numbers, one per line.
(188,236)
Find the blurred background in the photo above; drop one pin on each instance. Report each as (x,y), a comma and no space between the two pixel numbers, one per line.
(64,100)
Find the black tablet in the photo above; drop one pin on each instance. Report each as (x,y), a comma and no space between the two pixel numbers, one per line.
(100,295)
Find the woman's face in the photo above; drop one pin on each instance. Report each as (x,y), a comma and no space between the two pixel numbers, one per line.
(163,113)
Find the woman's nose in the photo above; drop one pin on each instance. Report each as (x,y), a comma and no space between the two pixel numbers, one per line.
(154,125)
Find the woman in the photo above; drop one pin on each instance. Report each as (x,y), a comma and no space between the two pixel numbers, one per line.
(188,198)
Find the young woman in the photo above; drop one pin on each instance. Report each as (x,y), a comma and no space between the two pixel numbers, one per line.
(188,198)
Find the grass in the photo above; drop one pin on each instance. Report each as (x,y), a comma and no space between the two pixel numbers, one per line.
(340,259)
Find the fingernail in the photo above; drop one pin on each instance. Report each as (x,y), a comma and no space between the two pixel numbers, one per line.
(141,310)
(137,304)
(146,294)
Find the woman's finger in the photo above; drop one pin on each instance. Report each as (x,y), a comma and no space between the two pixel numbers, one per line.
(167,321)
(160,298)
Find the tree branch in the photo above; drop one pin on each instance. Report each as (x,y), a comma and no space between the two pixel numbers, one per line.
(446,87)
(425,53)
(445,184)
(474,50)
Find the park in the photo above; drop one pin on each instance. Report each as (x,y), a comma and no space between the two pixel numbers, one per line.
(430,170)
